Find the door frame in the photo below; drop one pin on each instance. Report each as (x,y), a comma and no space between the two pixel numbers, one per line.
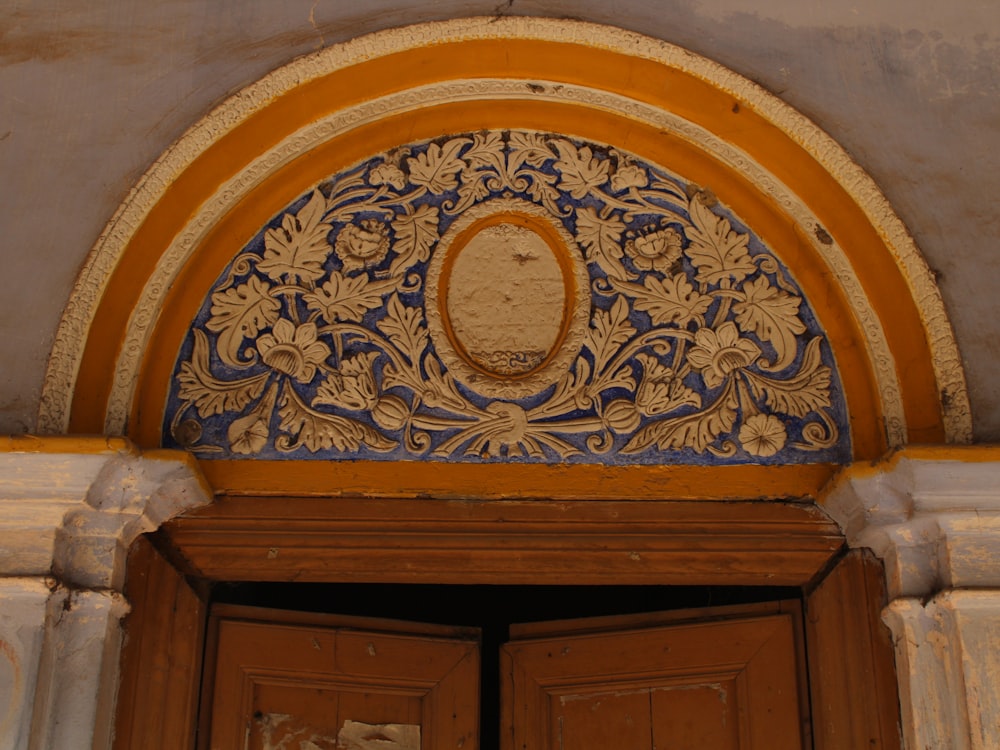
(852,683)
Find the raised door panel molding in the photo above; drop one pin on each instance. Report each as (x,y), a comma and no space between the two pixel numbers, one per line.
(726,684)
(278,683)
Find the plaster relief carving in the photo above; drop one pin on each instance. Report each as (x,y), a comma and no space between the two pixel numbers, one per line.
(386,314)
(114,243)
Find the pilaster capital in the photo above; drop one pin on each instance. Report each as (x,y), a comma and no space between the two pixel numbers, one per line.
(70,507)
(931,514)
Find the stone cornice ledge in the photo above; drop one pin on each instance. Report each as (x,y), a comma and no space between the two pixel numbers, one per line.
(932,514)
(70,507)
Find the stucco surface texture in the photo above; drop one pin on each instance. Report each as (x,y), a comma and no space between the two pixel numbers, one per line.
(91,94)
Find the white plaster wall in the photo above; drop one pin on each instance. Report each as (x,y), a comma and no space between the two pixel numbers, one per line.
(22,629)
(91,93)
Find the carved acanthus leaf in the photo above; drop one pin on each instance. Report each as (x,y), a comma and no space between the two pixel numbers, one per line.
(404,327)
(486,152)
(773,315)
(320,431)
(609,330)
(601,238)
(345,298)
(716,250)
(299,248)
(239,313)
(209,394)
(697,430)
(808,391)
(416,232)
(674,300)
(580,170)
(437,168)
(527,148)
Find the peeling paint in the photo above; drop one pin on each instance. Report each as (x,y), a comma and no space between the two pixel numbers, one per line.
(356,735)
(278,731)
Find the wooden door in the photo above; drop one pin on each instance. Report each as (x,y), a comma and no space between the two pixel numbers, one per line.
(289,680)
(622,683)
(708,680)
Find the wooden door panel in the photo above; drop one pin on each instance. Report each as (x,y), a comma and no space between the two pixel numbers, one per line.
(721,684)
(603,719)
(287,685)
(315,713)
(697,717)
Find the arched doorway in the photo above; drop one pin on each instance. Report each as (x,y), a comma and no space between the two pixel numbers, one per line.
(722,311)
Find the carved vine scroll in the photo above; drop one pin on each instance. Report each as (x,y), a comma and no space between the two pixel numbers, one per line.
(695,344)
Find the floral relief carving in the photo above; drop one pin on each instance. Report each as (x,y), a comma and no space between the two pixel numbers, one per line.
(699,346)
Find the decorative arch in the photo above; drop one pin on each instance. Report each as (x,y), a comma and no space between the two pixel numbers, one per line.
(822,291)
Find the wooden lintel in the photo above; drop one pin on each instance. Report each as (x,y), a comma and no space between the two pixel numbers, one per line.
(513,542)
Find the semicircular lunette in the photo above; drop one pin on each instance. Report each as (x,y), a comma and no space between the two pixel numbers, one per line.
(508,296)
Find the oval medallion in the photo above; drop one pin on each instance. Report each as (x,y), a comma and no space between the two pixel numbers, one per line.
(504,294)
(505,300)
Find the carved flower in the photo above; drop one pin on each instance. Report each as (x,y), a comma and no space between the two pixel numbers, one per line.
(387,174)
(362,245)
(763,435)
(660,390)
(248,435)
(629,176)
(657,249)
(352,386)
(293,350)
(720,352)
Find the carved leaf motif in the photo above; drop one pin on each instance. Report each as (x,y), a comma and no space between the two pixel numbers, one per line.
(475,187)
(601,238)
(773,315)
(581,171)
(299,248)
(210,395)
(416,232)
(806,392)
(697,430)
(345,298)
(527,148)
(239,313)
(486,152)
(319,431)
(673,300)
(716,250)
(661,391)
(620,378)
(439,388)
(541,188)
(403,326)
(610,329)
(570,392)
(352,386)
(437,167)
